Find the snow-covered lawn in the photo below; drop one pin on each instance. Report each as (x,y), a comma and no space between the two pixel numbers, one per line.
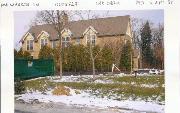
(120,91)
(85,99)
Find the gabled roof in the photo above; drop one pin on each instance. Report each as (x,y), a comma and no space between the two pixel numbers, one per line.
(104,26)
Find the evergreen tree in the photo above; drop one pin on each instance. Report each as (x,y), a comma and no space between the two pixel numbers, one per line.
(19,54)
(106,59)
(45,52)
(125,61)
(15,53)
(147,53)
(56,54)
(76,58)
(22,54)
(26,54)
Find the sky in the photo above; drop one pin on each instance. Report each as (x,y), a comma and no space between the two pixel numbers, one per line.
(23,19)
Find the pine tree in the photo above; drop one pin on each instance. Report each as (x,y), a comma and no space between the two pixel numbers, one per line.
(125,61)
(26,54)
(106,59)
(45,52)
(147,53)
(22,54)
(56,56)
(19,54)
(15,53)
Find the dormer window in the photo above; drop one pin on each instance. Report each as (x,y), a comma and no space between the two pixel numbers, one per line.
(29,45)
(78,40)
(90,34)
(65,41)
(91,38)
(44,42)
(53,44)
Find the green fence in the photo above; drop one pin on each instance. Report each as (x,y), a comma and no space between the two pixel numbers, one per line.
(32,68)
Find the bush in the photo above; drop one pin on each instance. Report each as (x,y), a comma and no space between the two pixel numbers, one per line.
(125,61)
(19,86)
(61,90)
(46,52)
(22,54)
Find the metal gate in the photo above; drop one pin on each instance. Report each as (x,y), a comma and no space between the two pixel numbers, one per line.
(32,68)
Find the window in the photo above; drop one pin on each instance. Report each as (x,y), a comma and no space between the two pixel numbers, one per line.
(92,39)
(29,45)
(78,41)
(65,41)
(53,44)
(44,42)
(88,39)
(125,41)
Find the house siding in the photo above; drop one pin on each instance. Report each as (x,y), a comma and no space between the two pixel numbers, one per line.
(99,41)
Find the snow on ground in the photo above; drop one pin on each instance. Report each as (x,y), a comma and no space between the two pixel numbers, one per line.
(85,99)
(86,78)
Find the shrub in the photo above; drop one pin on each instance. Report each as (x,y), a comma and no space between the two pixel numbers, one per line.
(61,90)
(19,86)
(45,52)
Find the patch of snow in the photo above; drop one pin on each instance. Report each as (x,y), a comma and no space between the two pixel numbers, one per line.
(120,75)
(103,81)
(149,85)
(99,81)
(85,99)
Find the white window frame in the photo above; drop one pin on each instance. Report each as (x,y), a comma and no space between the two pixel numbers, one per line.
(125,41)
(91,36)
(44,42)
(65,41)
(53,44)
(78,41)
(29,45)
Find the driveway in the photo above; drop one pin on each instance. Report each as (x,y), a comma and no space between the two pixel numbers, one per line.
(62,108)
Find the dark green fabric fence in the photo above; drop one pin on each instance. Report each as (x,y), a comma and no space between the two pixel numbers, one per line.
(32,68)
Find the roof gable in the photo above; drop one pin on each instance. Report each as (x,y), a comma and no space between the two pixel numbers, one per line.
(90,27)
(26,35)
(43,32)
(69,33)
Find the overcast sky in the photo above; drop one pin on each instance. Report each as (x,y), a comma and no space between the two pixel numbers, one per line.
(23,19)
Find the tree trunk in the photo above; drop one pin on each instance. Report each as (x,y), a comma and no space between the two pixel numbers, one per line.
(93,64)
(93,68)
(60,66)
(92,59)
(60,57)
(131,62)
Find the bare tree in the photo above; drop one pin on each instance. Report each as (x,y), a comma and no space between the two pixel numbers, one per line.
(137,24)
(116,47)
(93,57)
(89,15)
(158,45)
(57,19)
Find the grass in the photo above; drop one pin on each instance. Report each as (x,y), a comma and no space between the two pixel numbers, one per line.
(115,90)
(124,91)
(140,79)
